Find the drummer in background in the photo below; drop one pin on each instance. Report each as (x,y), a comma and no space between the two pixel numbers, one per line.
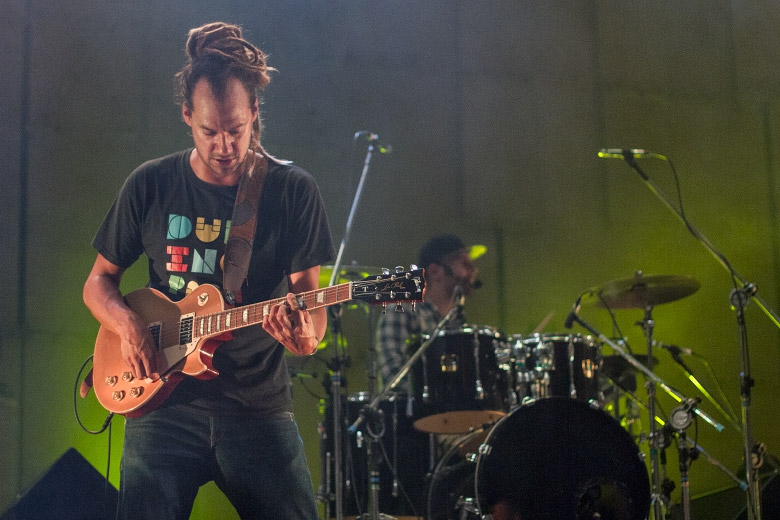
(449,268)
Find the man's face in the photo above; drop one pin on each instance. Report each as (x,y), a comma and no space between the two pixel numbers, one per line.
(461,270)
(221,130)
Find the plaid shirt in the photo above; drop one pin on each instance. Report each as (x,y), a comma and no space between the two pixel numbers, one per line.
(399,332)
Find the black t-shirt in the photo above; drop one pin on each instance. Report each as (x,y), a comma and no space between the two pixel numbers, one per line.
(181,223)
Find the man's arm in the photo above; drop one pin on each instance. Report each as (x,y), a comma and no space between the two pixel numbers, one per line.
(103,298)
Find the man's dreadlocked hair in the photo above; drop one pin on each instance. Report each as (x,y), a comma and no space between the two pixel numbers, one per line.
(216,52)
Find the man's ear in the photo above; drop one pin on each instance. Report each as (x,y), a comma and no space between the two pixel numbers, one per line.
(434,271)
(186,114)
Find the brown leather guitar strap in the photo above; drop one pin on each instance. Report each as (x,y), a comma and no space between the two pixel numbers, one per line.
(238,249)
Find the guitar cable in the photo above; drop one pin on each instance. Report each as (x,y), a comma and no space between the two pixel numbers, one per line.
(76,392)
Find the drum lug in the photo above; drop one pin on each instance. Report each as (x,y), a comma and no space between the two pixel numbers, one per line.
(480,390)
(485,449)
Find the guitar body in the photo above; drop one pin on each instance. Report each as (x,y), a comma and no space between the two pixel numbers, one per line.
(114,385)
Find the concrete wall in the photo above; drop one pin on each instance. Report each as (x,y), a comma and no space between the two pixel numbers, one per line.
(495,111)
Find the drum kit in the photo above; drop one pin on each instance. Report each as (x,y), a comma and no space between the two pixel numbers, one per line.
(493,421)
(515,426)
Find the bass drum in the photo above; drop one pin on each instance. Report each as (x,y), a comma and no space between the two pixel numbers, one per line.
(561,459)
(451,492)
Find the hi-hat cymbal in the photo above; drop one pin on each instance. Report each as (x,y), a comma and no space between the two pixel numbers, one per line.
(643,291)
(347,273)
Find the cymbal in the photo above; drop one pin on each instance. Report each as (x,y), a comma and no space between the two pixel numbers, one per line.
(347,273)
(457,421)
(644,291)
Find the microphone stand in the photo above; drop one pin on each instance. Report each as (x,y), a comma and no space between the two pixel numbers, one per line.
(338,360)
(739,298)
(699,450)
(675,351)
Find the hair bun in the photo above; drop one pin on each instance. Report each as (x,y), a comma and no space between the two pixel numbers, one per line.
(226,41)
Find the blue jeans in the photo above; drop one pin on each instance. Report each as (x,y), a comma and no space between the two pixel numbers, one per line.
(259,464)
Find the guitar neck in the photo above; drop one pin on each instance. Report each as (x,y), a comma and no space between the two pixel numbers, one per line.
(396,287)
(253,314)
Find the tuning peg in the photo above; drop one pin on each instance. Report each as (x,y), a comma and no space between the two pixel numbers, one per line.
(384,307)
(399,307)
(413,267)
(399,269)
(385,270)
(414,306)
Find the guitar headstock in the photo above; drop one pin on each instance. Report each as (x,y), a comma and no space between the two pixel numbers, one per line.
(398,286)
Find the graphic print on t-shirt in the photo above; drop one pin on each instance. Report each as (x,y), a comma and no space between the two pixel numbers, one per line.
(187,253)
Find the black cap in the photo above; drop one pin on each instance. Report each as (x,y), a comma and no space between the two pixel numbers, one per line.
(438,247)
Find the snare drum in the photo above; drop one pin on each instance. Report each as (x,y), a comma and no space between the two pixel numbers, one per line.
(544,364)
(465,373)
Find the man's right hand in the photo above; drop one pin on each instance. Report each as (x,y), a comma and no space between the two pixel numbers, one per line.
(138,348)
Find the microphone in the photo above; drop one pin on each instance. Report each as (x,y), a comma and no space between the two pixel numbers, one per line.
(373,140)
(623,153)
(674,350)
(458,296)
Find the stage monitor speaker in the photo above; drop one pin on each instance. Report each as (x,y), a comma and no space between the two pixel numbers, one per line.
(71,489)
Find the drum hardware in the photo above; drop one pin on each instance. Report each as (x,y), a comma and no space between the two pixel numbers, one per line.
(628,294)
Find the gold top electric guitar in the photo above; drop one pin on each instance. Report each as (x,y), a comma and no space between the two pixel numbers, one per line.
(187,333)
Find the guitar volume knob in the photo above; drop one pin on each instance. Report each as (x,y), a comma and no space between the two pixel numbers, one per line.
(118,395)
(111,380)
(127,376)
(136,391)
